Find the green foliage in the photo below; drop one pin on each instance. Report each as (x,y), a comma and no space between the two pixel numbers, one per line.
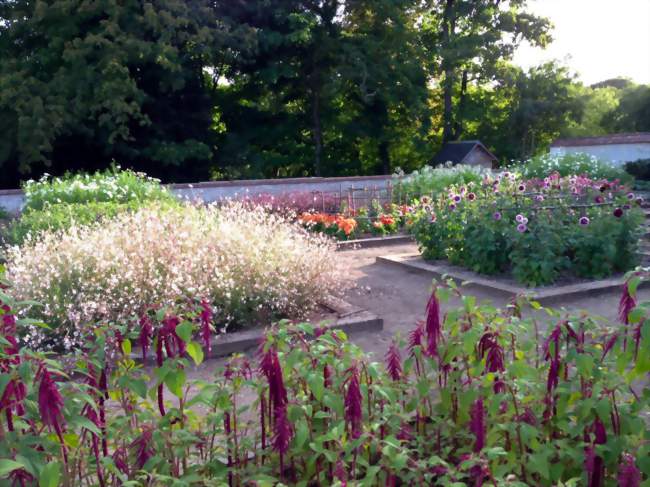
(433,181)
(115,186)
(639,169)
(570,164)
(53,204)
(493,400)
(633,111)
(569,226)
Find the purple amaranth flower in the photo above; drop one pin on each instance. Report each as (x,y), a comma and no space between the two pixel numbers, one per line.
(271,369)
(282,430)
(477,424)
(433,324)
(353,408)
(146,334)
(528,416)
(594,464)
(618,212)
(50,406)
(143,447)
(340,474)
(584,221)
(626,304)
(121,460)
(206,317)
(416,338)
(497,215)
(628,473)
(471,196)
(521,228)
(394,362)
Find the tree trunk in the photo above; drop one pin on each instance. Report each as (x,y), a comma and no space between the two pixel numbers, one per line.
(462,100)
(317,132)
(448,26)
(384,157)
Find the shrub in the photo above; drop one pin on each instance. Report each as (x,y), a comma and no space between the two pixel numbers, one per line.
(639,169)
(475,398)
(537,229)
(579,164)
(114,185)
(250,265)
(431,181)
(82,199)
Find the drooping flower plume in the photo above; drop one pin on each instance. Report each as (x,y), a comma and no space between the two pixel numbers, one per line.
(433,324)
(477,424)
(394,362)
(353,407)
(626,304)
(628,473)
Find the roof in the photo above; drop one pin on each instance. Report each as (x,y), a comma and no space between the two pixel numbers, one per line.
(630,138)
(456,152)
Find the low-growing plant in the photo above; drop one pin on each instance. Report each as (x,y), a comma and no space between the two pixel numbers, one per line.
(477,396)
(538,230)
(570,164)
(251,266)
(640,169)
(81,199)
(114,185)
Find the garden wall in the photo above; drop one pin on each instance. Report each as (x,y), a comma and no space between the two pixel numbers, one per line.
(12,199)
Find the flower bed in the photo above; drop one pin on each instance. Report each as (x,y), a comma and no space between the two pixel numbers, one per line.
(473,397)
(249,265)
(538,230)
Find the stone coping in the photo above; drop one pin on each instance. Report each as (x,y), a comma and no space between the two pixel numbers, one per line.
(545,295)
(364,243)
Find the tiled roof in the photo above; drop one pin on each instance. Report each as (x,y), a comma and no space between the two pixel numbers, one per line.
(631,138)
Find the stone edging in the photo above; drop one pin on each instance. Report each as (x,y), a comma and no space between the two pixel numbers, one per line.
(545,295)
(350,319)
(364,243)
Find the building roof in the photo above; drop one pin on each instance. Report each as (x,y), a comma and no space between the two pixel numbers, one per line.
(456,152)
(630,138)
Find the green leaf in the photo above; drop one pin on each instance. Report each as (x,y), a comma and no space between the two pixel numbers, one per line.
(184,331)
(50,475)
(195,351)
(126,347)
(7,466)
(175,380)
(4,381)
(316,385)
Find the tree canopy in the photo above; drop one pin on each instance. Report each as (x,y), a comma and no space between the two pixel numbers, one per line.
(198,89)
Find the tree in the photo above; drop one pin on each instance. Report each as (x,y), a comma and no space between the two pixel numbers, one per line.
(469,38)
(633,111)
(83,82)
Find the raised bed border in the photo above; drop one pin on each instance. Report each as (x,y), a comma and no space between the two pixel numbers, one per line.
(549,295)
(364,243)
(350,319)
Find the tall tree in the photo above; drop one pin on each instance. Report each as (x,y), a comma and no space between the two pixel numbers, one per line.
(469,38)
(83,82)
(633,111)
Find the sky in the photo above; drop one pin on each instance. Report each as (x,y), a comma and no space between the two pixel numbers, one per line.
(597,39)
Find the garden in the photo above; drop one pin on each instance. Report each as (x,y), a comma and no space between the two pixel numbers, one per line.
(113,292)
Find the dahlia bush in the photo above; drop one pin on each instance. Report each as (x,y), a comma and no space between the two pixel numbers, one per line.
(477,396)
(538,230)
(251,266)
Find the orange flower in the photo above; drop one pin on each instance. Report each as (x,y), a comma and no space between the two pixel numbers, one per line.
(387,220)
